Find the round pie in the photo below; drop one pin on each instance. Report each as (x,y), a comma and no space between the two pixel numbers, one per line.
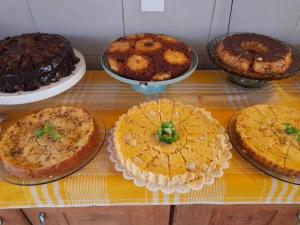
(149,57)
(248,52)
(270,134)
(48,143)
(169,143)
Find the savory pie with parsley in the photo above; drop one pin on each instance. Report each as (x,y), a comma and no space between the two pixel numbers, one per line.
(169,143)
(270,134)
(48,143)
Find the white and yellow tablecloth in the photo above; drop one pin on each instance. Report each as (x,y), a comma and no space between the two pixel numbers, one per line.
(99,184)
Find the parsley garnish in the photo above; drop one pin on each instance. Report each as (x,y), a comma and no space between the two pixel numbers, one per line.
(290,130)
(49,130)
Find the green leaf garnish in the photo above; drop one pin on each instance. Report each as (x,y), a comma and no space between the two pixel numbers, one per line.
(167,133)
(39,133)
(54,135)
(290,130)
(49,130)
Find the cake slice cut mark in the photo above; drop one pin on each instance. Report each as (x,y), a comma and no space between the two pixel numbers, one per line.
(146,157)
(159,113)
(172,111)
(151,161)
(203,156)
(180,148)
(169,166)
(165,108)
(140,153)
(259,111)
(153,113)
(148,118)
(253,118)
(286,156)
(274,114)
(184,159)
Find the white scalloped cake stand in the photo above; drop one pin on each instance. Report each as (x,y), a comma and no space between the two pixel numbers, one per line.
(155,187)
(45,92)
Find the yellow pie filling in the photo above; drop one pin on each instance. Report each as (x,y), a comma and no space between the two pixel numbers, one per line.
(201,151)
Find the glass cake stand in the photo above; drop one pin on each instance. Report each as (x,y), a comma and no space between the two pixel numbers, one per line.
(245,82)
(250,79)
(12,179)
(149,87)
(247,157)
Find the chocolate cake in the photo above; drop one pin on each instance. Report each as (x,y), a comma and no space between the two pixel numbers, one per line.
(149,57)
(30,61)
(249,52)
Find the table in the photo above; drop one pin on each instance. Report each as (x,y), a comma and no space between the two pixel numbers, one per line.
(98,184)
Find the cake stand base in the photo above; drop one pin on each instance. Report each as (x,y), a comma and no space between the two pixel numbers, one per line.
(148,90)
(246,82)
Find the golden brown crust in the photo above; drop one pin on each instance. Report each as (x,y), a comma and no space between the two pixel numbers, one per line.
(167,57)
(260,158)
(70,163)
(56,170)
(264,158)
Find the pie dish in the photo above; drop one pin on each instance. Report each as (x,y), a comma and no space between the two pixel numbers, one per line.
(270,135)
(48,143)
(195,157)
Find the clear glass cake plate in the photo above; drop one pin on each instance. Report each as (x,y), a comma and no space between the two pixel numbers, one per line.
(237,146)
(12,179)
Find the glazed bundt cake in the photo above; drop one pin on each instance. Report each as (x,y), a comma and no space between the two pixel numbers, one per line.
(249,52)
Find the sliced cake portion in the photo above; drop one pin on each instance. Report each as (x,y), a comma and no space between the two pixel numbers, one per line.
(168,143)
(270,134)
(29,61)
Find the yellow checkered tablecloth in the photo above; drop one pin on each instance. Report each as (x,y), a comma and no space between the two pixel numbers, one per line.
(99,184)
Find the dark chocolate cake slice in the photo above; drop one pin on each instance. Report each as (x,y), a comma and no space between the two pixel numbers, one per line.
(30,61)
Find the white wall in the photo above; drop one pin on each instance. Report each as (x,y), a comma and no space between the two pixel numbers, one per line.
(92,24)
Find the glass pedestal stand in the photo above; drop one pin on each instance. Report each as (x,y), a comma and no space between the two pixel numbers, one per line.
(245,82)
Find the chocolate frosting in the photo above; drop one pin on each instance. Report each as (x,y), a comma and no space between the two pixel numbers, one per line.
(29,61)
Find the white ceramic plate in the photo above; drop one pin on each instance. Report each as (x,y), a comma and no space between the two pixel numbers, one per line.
(45,92)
